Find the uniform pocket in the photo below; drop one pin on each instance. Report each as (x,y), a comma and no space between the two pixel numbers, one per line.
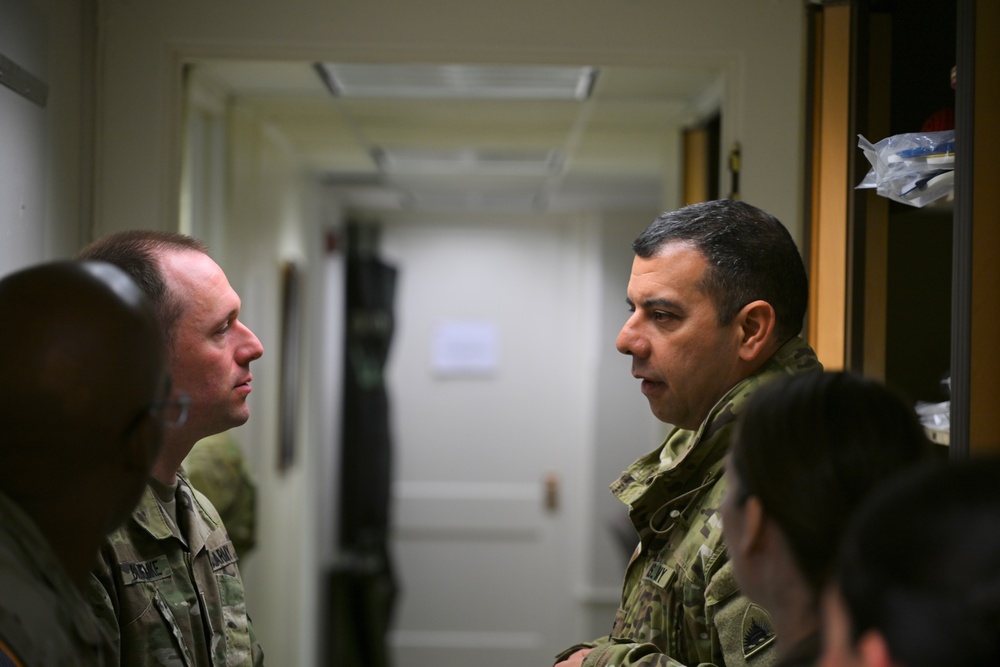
(153,636)
(648,614)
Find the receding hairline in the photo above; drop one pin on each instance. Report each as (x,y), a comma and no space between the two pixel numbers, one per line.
(149,238)
(139,252)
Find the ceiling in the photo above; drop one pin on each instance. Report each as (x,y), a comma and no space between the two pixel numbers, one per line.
(612,151)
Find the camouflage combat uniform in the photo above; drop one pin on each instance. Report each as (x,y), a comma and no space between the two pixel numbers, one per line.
(680,603)
(44,618)
(173,600)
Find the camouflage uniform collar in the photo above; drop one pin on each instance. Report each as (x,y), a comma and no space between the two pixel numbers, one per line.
(686,457)
(151,518)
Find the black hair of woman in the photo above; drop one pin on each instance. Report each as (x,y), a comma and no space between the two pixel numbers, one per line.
(919,571)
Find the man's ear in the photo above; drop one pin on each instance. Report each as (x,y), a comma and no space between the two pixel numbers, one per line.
(753,525)
(757,324)
(873,650)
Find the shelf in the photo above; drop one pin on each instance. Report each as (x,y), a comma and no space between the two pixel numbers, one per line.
(938,437)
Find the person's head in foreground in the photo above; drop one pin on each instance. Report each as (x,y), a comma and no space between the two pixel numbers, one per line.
(918,580)
(84,395)
(808,450)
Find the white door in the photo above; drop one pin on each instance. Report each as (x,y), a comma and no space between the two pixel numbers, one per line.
(488,381)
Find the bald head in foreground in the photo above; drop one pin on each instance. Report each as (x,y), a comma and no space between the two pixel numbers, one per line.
(83,398)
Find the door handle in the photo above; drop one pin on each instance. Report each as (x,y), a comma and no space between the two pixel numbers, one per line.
(551,492)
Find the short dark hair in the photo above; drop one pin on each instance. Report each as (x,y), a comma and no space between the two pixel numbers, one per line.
(750,254)
(812,446)
(136,252)
(921,565)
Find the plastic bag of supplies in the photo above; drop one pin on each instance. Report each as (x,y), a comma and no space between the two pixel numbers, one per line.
(915,168)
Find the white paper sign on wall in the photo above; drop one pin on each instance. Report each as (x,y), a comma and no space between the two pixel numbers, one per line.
(465,349)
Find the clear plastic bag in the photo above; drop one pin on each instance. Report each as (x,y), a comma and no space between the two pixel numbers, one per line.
(915,168)
(936,420)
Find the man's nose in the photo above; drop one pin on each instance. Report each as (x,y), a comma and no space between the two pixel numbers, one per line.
(629,341)
(250,348)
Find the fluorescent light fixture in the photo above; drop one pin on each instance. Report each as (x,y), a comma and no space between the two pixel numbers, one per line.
(467,162)
(480,202)
(458,81)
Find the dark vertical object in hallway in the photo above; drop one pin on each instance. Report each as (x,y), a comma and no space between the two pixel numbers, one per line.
(362,586)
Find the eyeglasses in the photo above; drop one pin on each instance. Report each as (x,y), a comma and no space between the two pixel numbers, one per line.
(173,410)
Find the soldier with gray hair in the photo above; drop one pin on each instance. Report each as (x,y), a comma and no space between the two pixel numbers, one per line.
(84,396)
(717,296)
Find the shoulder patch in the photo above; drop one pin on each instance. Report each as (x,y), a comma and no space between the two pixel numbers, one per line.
(150,570)
(758,630)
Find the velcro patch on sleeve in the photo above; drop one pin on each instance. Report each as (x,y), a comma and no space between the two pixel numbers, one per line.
(222,556)
(758,630)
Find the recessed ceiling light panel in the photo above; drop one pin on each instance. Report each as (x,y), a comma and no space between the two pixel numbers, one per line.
(458,81)
(467,162)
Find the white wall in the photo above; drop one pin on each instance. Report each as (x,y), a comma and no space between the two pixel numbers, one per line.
(41,202)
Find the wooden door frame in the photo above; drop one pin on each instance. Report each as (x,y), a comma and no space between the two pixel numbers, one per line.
(975,321)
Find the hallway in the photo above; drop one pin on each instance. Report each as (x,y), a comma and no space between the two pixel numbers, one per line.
(244,168)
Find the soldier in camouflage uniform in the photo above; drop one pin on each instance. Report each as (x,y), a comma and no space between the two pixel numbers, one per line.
(718,294)
(157,576)
(168,584)
(83,393)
